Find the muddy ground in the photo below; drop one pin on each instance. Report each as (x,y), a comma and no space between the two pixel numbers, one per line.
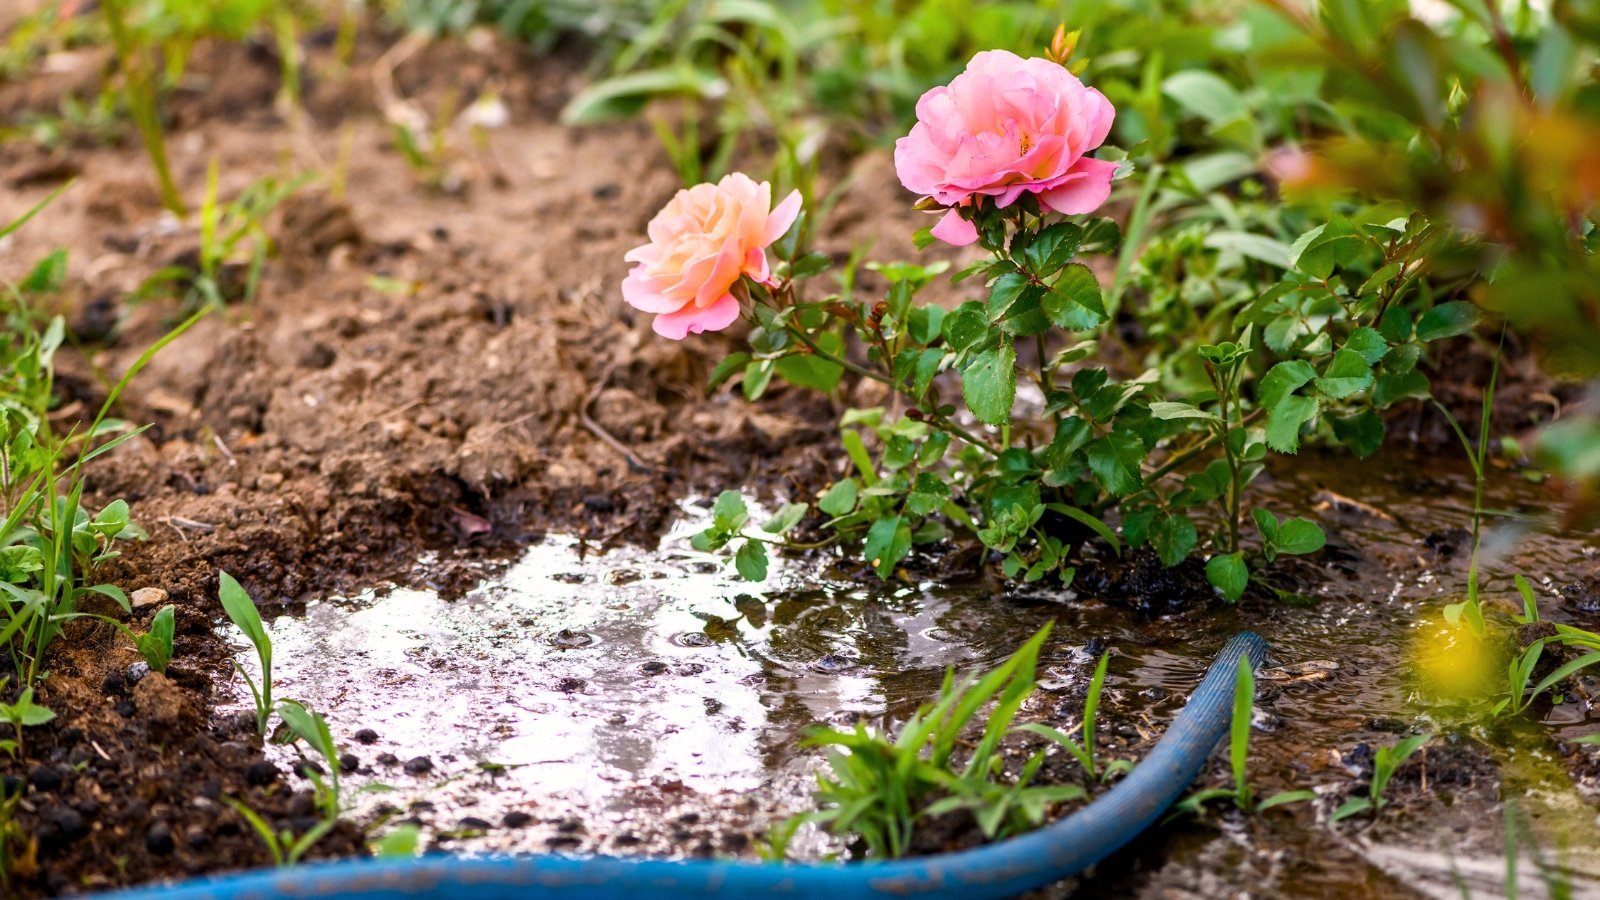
(447,372)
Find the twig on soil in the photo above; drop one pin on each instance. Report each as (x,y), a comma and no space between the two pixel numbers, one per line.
(180,524)
(634,463)
(223,448)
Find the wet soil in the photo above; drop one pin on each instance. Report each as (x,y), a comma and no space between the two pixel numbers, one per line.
(650,703)
(446,374)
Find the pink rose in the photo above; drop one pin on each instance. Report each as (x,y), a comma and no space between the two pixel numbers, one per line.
(1005,126)
(700,244)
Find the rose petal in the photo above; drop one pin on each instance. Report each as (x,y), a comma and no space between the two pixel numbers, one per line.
(1087,185)
(696,320)
(954,230)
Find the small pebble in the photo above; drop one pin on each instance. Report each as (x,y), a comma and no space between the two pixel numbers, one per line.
(261,773)
(138,671)
(349,762)
(516,819)
(367,736)
(388,759)
(419,765)
(158,840)
(147,596)
(474,823)
(45,779)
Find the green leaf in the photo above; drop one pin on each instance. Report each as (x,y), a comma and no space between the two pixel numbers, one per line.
(1267,523)
(1348,373)
(729,513)
(989,384)
(156,644)
(808,370)
(1284,421)
(1052,248)
(888,541)
(787,517)
(1391,388)
(1164,409)
(1395,326)
(625,95)
(1369,343)
(1282,380)
(1228,573)
(725,369)
(1074,300)
(751,561)
(241,610)
(925,323)
(1349,808)
(1362,434)
(1251,246)
(1448,320)
(1206,95)
(1319,250)
(840,500)
(1115,460)
(1173,536)
(966,326)
(1003,293)
(1284,797)
(1299,535)
(48,276)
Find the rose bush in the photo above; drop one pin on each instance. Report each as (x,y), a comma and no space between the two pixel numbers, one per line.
(704,240)
(1004,127)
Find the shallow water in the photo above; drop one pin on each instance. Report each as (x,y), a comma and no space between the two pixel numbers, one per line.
(649,702)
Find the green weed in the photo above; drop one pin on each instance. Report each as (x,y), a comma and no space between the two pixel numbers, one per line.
(880,788)
(241,611)
(1384,763)
(1240,794)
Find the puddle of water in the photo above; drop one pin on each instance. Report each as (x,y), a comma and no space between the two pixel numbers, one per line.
(649,702)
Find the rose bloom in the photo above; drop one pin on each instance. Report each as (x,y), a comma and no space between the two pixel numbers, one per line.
(701,243)
(1006,126)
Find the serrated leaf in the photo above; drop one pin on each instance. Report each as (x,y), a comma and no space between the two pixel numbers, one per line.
(1052,248)
(1166,409)
(1003,294)
(966,326)
(1074,300)
(1362,434)
(1448,320)
(1369,343)
(1282,380)
(1391,388)
(1115,460)
(1173,536)
(1347,374)
(989,384)
(1284,421)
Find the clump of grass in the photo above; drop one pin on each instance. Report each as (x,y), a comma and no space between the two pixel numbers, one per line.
(882,789)
(1385,762)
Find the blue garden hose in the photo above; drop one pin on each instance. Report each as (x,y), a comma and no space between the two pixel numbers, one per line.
(999,870)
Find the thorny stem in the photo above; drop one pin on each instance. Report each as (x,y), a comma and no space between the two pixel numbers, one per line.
(940,422)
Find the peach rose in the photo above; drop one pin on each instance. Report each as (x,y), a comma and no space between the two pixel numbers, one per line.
(1006,126)
(701,243)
